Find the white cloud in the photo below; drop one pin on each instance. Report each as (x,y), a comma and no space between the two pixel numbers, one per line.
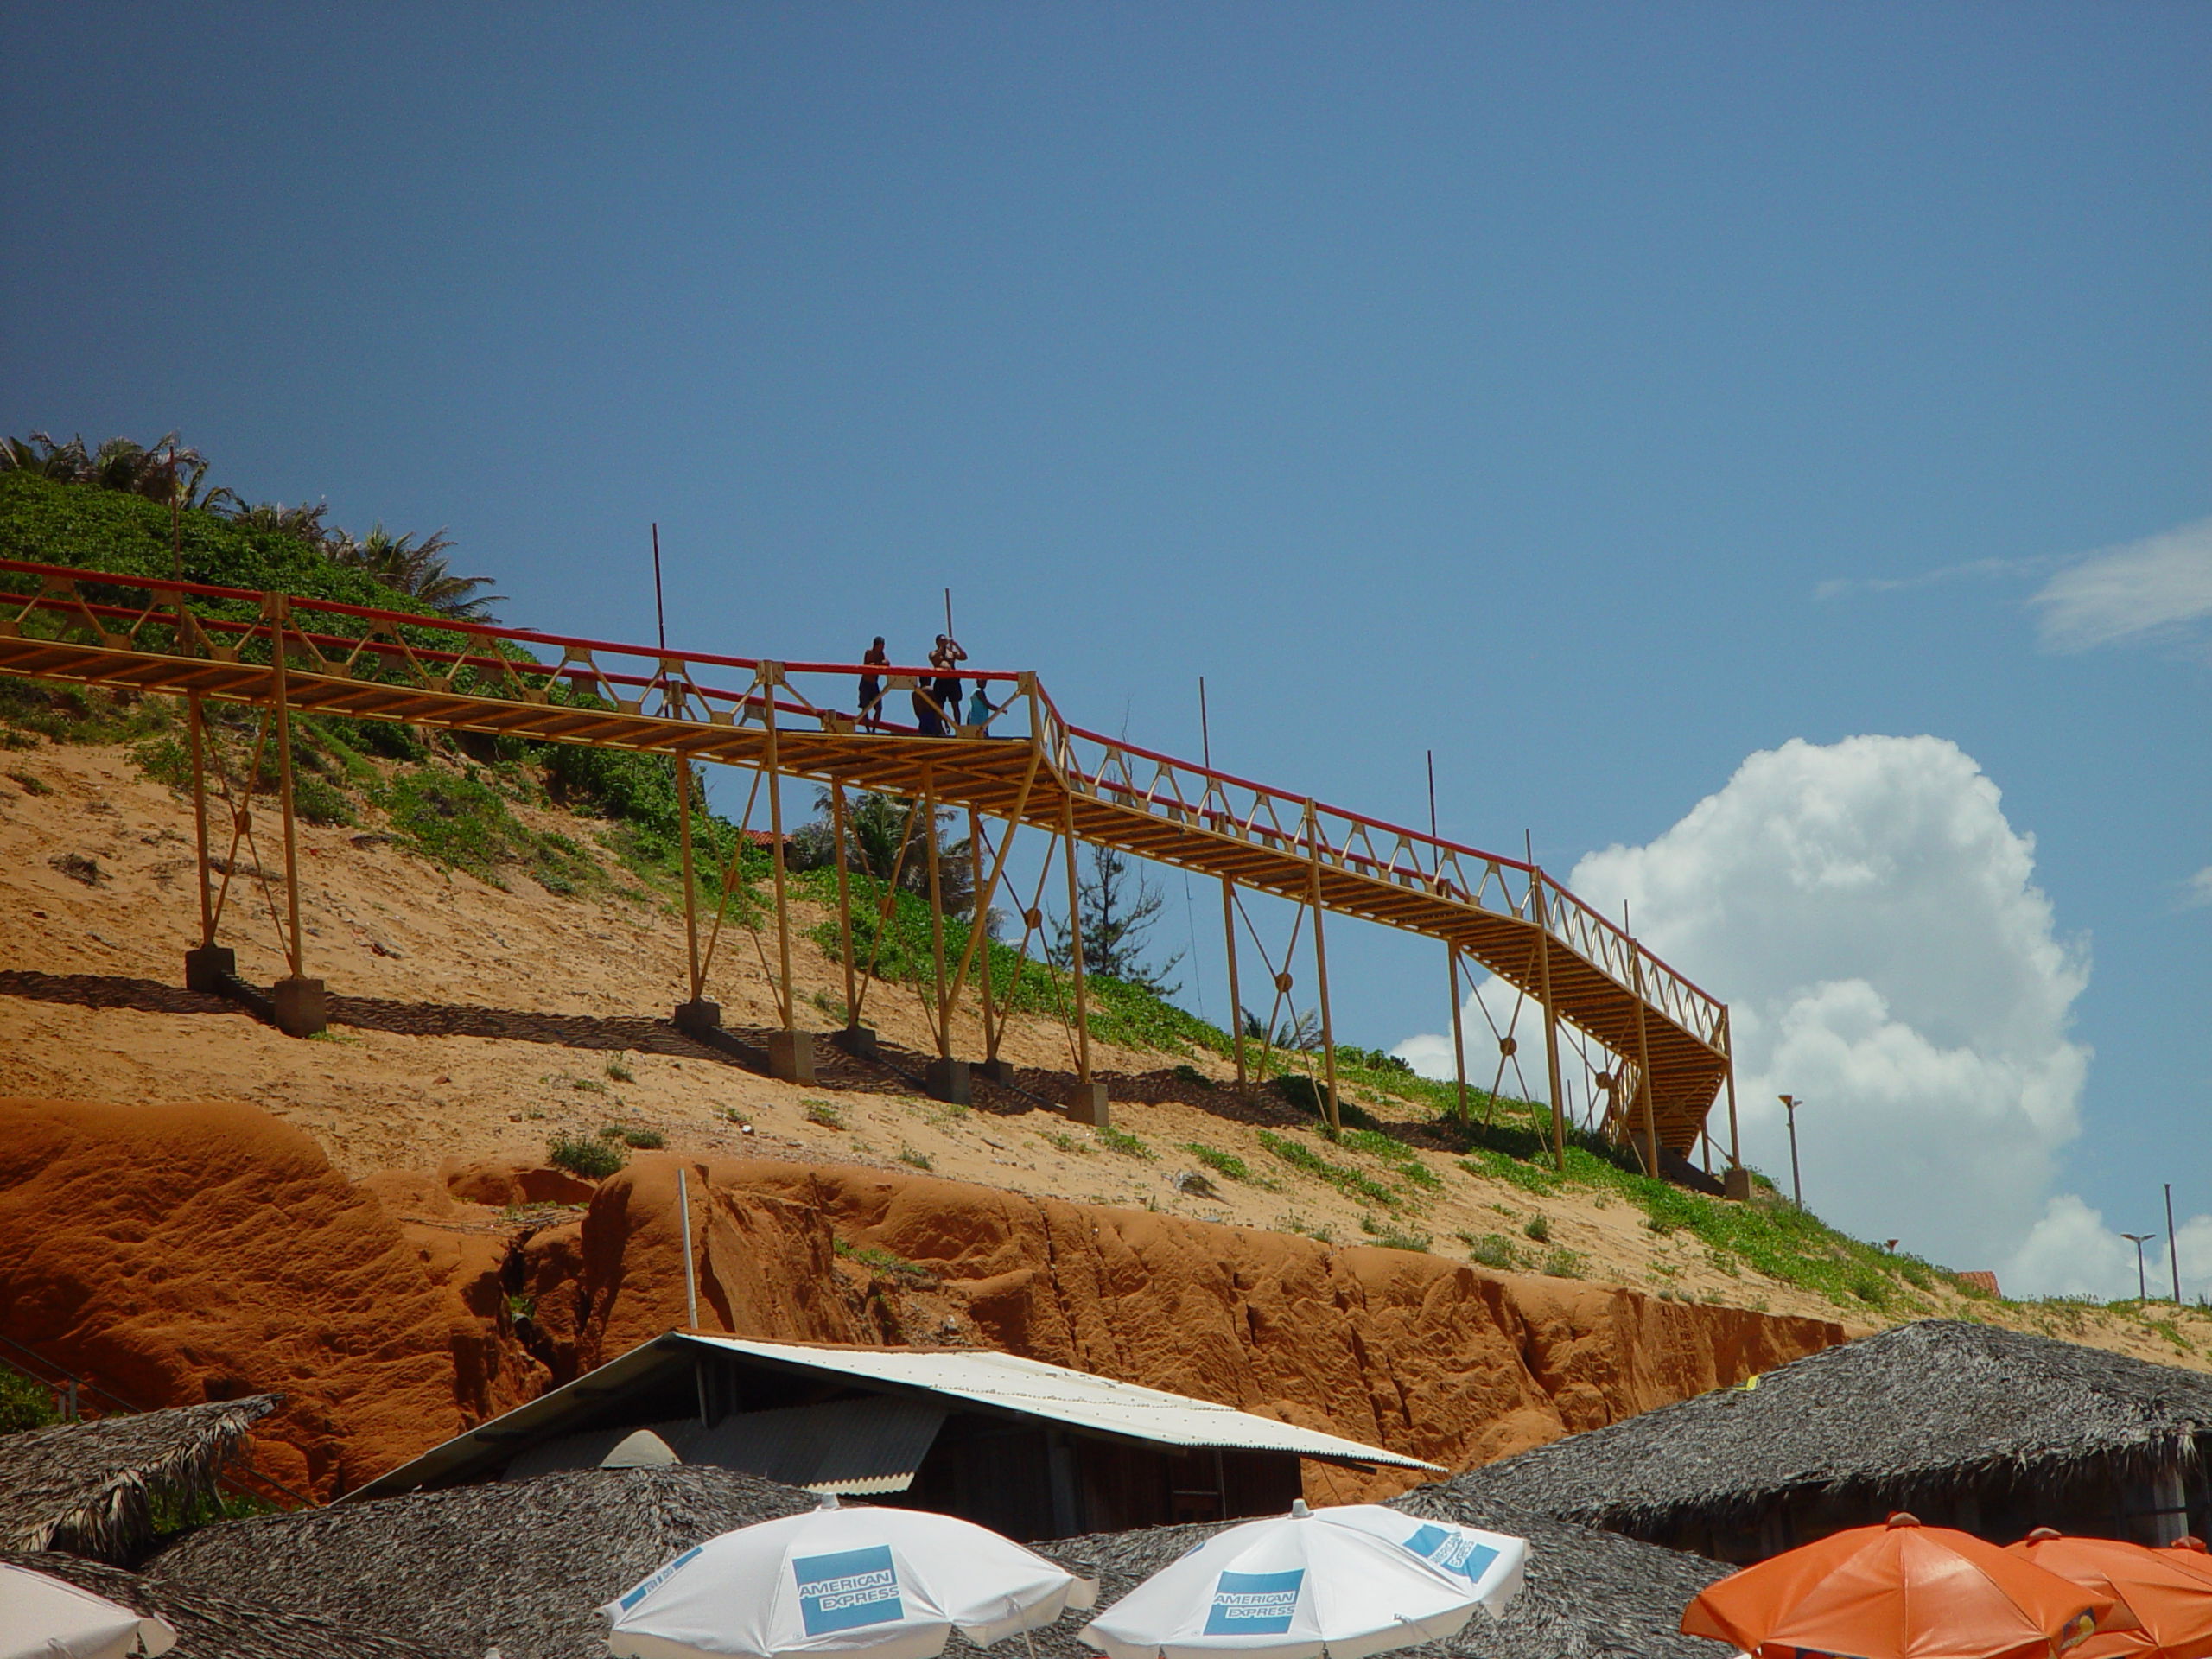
(2198,890)
(2156,585)
(2072,1251)
(1873,921)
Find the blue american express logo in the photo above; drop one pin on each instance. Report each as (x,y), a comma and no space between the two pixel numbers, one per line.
(850,1588)
(657,1579)
(1453,1552)
(1254,1604)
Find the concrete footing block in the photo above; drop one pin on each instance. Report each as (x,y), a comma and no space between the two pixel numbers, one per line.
(998,1072)
(302,1010)
(698,1015)
(858,1041)
(947,1080)
(1737,1184)
(1086,1103)
(791,1056)
(206,966)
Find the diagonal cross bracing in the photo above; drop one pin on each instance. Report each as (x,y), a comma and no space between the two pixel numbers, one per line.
(373,664)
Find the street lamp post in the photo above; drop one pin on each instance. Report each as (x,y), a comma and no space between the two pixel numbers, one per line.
(1789,1104)
(2142,1288)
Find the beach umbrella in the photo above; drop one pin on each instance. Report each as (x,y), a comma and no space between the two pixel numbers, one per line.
(1492,1562)
(45,1618)
(1291,1586)
(2164,1596)
(888,1583)
(1901,1591)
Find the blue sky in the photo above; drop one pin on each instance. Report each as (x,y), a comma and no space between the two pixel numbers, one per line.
(1552,387)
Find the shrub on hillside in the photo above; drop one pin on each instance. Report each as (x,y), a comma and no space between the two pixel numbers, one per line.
(589,1156)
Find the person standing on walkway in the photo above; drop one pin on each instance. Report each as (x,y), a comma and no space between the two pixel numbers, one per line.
(946,687)
(872,687)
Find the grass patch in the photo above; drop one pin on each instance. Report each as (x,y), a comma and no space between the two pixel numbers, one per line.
(618,1070)
(1401,1157)
(1066,1142)
(1121,1141)
(1539,1229)
(1565,1264)
(1227,1164)
(1391,1236)
(644,1140)
(589,1156)
(1490,1250)
(1353,1183)
(881,1260)
(915,1159)
(822,1115)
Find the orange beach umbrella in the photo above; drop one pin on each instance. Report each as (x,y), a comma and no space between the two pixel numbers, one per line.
(2164,1595)
(1897,1592)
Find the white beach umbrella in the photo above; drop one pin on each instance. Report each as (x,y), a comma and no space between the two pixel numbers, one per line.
(1493,1562)
(45,1618)
(1292,1586)
(888,1583)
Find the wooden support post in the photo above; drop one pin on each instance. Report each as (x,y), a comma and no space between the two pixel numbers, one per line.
(791,1050)
(1728,1041)
(936,909)
(1321,976)
(1643,1063)
(1087,1100)
(979,947)
(1236,1001)
(1459,1038)
(690,886)
(1075,943)
(1735,1181)
(299,1000)
(194,721)
(945,1077)
(207,965)
(1551,1021)
(979,931)
(845,921)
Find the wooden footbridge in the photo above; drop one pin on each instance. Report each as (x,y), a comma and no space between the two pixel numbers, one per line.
(1026,767)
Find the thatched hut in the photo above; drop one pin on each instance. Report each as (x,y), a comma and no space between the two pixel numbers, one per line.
(1994,1432)
(90,1488)
(1588,1593)
(520,1565)
(215,1627)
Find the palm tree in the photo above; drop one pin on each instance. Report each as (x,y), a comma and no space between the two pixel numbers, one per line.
(159,471)
(417,570)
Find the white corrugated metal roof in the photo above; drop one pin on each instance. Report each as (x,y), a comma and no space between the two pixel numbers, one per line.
(988,1377)
(983,1378)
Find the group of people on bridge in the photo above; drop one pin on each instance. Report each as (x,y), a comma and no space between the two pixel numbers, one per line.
(937,712)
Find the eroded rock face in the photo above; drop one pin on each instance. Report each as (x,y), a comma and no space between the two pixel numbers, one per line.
(1445,1362)
(182,1253)
(175,1254)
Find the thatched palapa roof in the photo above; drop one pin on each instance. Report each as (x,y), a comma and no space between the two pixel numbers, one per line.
(89,1488)
(1937,1407)
(521,1565)
(1587,1594)
(213,1627)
